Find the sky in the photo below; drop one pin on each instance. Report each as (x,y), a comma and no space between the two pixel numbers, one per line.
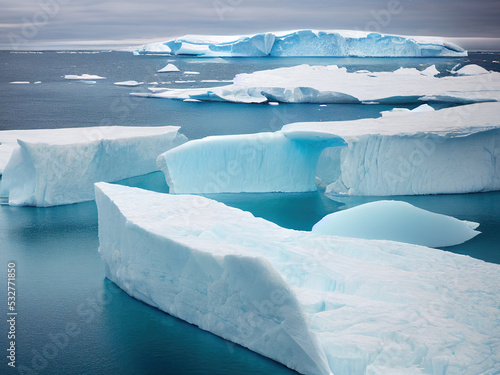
(84,24)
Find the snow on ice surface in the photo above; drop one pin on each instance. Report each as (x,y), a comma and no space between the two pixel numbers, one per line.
(331,84)
(168,68)
(470,70)
(83,77)
(306,43)
(49,167)
(129,83)
(454,150)
(397,221)
(318,304)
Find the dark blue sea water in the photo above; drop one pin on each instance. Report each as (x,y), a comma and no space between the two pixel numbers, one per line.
(71,319)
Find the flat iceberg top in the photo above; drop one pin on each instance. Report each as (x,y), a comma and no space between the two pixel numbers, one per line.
(449,122)
(305,43)
(397,221)
(331,84)
(349,302)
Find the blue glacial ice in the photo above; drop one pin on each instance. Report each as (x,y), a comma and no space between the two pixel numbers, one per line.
(397,221)
(318,304)
(306,43)
(454,150)
(49,167)
(263,162)
(331,84)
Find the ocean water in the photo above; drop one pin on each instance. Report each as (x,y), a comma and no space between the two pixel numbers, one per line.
(61,287)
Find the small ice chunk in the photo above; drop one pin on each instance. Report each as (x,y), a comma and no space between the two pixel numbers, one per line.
(273,103)
(20,83)
(169,68)
(129,83)
(83,77)
(191,73)
(397,221)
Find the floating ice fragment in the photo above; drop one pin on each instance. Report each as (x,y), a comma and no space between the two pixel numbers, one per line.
(83,77)
(397,221)
(129,83)
(168,68)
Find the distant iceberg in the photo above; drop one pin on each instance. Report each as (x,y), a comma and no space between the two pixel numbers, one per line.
(129,83)
(49,167)
(83,77)
(168,68)
(333,43)
(318,304)
(331,84)
(453,150)
(397,221)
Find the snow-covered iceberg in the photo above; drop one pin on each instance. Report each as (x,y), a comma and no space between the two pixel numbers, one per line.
(263,162)
(453,150)
(397,221)
(318,304)
(50,167)
(331,84)
(306,43)
(450,151)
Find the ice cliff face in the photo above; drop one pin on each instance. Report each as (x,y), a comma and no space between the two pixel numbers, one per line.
(60,166)
(454,150)
(306,43)
(318,304)
(244,163)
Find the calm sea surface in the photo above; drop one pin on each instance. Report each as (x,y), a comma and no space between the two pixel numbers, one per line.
(71,320)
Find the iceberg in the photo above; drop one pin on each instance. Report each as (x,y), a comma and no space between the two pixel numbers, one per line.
(318,304)
(331,84)
(49,167)
(168,68)
(83,77)
(452,150)
(449,151)
(129,83)
(333,43)
(397,221)
(263,162)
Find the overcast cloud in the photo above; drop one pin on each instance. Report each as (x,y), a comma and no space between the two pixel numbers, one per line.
(39,24)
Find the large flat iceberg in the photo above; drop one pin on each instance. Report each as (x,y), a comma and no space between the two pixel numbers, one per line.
(397,221)
(454,150)
(331,84)
(306,43)
(50,167)
(450,151)
(318,304)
